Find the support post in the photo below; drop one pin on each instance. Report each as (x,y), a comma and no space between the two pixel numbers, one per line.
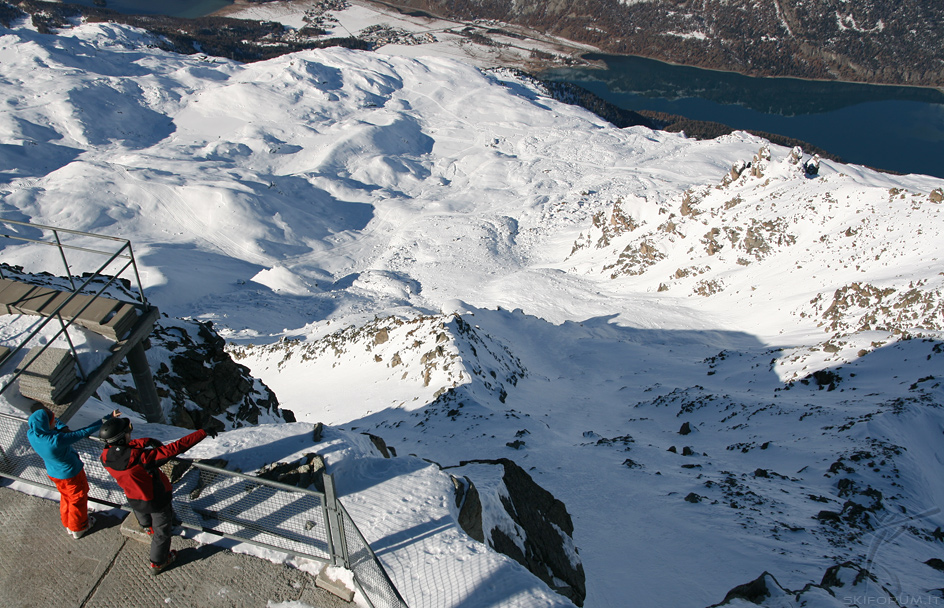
(144,382)
(339,555)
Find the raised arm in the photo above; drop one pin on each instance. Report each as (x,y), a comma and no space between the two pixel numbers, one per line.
(158,455)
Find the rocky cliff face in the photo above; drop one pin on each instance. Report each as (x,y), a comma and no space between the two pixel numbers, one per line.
(462,373)
(197,380)
(500,504)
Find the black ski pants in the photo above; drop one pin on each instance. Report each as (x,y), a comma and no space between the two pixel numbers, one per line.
(162,523)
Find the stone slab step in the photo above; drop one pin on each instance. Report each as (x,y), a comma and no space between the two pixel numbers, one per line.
(47,364)
(53,303)
(33,302)
(106,316)
(53,394)
(114,325)
(50,377)
(66,376)
(11,293)
(337,587)
(98,311)
(75,305)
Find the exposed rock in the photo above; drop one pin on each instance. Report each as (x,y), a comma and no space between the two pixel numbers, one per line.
(840,585)
(686,208)
(866,307)
(736,170)
(381,445)
(201,382)
(470,507)
(536,532)
(812,166)
(755,591)
(439,352)
(635,259)
(305,473)
(796,155)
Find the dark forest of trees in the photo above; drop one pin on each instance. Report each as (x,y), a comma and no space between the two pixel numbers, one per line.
(873,41)
(240,39)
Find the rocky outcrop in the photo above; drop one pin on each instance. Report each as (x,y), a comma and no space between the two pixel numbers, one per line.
(842,585)
(437,354)
(866,307)
(470,507)
(521,519)
(197,380)
(307,472)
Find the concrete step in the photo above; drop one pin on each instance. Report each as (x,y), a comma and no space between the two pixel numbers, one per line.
(115,324)
(49,378)
(62,378)
(106,316)
(75,305)
(98,311)
(57,300)
(11,293)
(33,301)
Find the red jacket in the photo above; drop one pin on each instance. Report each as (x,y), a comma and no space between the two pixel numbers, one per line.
(135,467)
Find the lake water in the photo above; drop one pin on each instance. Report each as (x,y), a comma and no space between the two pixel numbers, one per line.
(886,127)
(173,8)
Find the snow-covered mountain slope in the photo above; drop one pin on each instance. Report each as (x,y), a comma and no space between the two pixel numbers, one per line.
(719,369)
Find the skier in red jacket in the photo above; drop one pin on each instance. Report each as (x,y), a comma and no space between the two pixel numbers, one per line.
(134,463)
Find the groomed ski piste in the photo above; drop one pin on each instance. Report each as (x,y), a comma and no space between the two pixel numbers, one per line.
(448,259)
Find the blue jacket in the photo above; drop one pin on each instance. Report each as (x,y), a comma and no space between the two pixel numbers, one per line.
(55,445)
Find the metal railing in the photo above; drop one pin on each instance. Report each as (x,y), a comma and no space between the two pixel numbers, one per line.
(241,507)
(113,255)
(124,252)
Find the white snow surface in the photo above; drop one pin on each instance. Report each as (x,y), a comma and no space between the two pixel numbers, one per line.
(448,259)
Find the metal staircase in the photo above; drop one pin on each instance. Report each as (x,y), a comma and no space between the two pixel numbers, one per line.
(54,375)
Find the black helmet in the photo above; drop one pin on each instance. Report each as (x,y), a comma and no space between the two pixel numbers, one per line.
(113,430)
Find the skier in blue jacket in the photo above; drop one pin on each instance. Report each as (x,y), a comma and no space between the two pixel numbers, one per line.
(53,441)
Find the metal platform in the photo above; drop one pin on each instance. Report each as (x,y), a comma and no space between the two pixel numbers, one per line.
(41,565)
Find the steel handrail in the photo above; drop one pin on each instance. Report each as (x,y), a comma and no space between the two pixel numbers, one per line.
(64,329)
(336,539)
(123,252)
(59,245)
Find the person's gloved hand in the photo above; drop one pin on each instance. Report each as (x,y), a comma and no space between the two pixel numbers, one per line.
(211,431)
(153,443)
(114,414)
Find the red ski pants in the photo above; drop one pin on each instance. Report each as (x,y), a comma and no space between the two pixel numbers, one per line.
(73,501)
